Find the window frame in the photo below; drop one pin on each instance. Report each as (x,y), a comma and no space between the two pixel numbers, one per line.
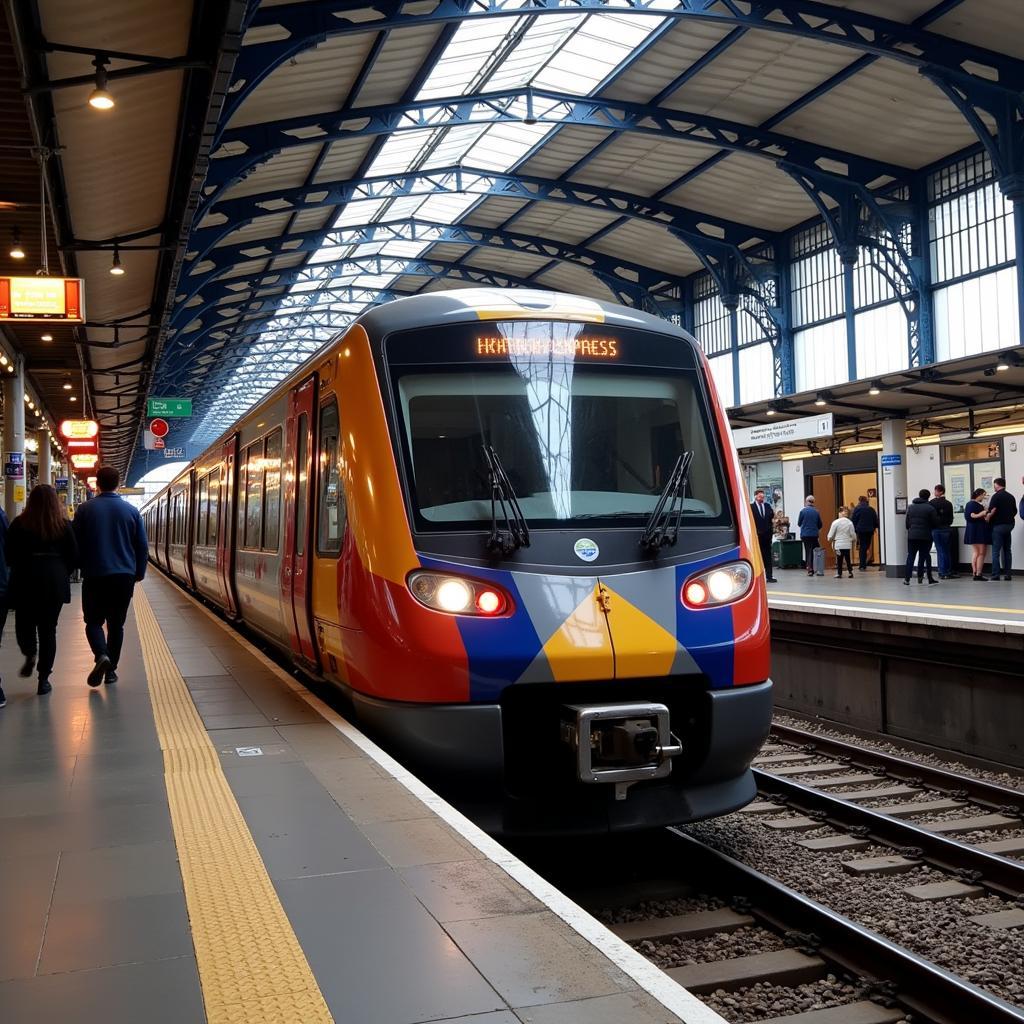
(331,402)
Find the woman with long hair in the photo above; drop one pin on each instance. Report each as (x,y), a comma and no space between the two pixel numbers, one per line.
(978,533)
(42,553)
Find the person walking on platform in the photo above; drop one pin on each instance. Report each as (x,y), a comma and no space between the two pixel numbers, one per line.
(112,538)
(978,533)
(921,520)
(841,535)
(809,524)
(4,525)
(41,552)
(942,535)
(865,522)
(1002,509)
(763,521)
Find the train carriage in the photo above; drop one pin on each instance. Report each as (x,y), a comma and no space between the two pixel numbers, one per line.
(511,526)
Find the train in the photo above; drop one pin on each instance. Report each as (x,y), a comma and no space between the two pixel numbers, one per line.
(510,526)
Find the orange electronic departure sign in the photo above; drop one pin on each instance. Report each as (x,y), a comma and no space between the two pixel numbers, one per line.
(77,430)
(82,460)
(42,298)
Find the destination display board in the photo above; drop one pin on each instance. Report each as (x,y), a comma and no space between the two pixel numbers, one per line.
(42,298)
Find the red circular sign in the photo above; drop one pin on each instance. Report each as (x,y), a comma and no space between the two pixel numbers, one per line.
(158,428)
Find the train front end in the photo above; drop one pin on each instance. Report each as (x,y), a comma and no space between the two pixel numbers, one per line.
(584,581)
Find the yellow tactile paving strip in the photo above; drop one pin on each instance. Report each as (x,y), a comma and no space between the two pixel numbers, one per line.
(251,965)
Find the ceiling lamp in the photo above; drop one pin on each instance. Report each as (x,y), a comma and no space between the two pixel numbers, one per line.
(770,411)
(46,337)
(1002,366)
(16,252)
(115,268)
(820,400)
(67,384)
(99,98)
(73,398)
(875,389)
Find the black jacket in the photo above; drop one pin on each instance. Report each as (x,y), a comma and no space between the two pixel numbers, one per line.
(763,524)
(1005,506)
(945,509)
(40,569)
(864,519)
(921,520)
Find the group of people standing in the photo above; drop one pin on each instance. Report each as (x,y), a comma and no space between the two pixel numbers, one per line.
(851,526)
(42,548)
(992,523)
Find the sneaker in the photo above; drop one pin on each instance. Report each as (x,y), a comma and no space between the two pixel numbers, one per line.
(1007,579)
(44,687)
(981,579)
(933,583)
(111,677)
(851,575)
(26,670)
(906,583)
(3,698)
(100,669)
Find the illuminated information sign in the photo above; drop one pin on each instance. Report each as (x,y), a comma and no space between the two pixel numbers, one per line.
(42,298)
(563,348)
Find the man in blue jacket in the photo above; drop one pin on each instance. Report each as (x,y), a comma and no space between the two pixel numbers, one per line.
(114,554)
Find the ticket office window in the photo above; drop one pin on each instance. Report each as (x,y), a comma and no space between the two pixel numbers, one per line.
(968,466)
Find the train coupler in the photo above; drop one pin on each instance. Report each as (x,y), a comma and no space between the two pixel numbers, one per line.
(620,743)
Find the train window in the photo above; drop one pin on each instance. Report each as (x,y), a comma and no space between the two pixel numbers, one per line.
(202,510)
(272,492)
(214,489)
(331,526)
(302,482)
(253,495)
(176,520)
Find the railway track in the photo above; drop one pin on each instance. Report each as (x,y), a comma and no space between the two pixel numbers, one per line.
(805,943)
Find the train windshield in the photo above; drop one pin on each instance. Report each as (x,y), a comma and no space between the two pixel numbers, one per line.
(587,423)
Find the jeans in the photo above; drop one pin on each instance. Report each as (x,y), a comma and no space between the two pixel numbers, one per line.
(942,538)
(922,551)
(864,544)
(31,620)
(106,599)
(810,543)
(1001,541)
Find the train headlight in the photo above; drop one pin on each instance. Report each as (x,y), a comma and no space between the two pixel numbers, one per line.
(721,585)
(457,596)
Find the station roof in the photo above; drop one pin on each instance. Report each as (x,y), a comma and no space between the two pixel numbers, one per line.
(354,151)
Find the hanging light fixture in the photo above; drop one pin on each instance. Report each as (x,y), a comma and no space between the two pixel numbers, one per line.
(73,398)
(99,98)
(820,400)
(17,252)
(115,268)
(46,336)
(67,384)
(875,389)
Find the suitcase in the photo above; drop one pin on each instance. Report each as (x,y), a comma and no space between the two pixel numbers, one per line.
(819,561)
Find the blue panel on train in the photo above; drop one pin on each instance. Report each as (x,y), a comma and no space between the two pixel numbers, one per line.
(708,634)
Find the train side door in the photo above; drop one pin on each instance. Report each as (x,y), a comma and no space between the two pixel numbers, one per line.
(296,566)
(226,528)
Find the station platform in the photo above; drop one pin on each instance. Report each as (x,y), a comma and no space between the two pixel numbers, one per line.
(207,840)
(956,604)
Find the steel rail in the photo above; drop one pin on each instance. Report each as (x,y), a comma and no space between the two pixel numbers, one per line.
(978,791)
(1003,876)
(921,985)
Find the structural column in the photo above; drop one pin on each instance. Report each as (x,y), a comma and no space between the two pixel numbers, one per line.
(45,469)
(14,441)
(1018,234)
(892,506)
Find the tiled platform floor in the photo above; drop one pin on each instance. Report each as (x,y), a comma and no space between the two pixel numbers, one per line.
(401,919)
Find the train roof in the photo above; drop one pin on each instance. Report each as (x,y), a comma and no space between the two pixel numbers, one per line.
(462,305)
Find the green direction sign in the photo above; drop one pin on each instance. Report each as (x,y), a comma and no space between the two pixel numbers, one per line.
(164,407)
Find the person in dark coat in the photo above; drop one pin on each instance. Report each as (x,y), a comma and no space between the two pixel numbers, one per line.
(942,535)
(764,520)
(4,526)
(921,520)
(977,533)
(1002,507)
(809,524)
(41,552)
(865,522)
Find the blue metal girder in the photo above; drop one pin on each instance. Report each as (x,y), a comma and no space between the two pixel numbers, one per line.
(609,268)
(683,223)
(390,266)
(243,148)
(308,24)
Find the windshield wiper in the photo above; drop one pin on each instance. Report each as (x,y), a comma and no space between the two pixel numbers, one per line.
(516,533)
(663,527)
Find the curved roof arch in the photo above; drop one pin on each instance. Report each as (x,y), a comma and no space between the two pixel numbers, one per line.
(367,150)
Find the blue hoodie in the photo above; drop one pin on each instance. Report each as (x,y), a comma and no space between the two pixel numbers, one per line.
(111,538)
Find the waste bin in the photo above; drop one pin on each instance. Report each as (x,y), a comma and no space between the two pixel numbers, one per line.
(787,554)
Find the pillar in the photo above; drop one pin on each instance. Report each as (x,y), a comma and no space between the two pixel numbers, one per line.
(892,506)
(1018,234)
(850,305)
(14,440)
(45,469)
